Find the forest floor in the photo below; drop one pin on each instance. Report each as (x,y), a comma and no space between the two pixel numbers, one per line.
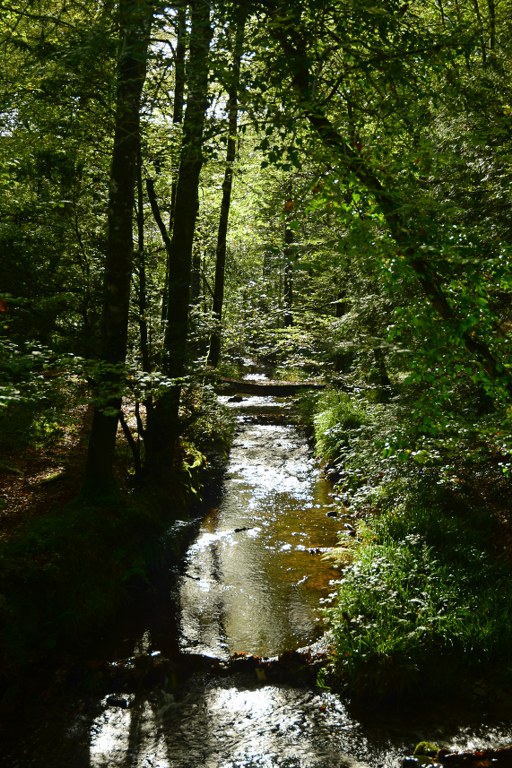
(37,479)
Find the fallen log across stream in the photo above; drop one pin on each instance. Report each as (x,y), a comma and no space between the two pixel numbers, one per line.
(266,388)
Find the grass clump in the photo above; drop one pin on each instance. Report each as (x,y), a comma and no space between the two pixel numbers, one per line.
(424,603)
(338,417)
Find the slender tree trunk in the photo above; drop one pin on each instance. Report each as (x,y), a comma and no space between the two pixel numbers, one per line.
(491,5)
(134,24)
(342,360)
(141,271)
(227,186)
(481,27)
(195,284)
(177,119)
(144,327)
(288,276)
(157,215)
(163,429)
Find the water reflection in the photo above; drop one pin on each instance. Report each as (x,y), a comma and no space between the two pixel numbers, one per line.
(254,577)
(221,723)
(224,725)
(129,737)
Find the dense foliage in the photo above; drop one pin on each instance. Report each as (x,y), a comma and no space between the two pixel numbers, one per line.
(321,186)
(423,604)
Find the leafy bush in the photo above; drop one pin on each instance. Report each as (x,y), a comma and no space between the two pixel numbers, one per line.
(210,424)
(35,393)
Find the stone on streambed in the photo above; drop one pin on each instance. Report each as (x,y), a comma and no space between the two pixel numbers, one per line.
(427,754)
(134,674)
(123,701)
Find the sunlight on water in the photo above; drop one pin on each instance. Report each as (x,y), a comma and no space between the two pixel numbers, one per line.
(225,726)
(220,724)
(272,728)
(134,737)
(255,577)
(109,736)
(253,582)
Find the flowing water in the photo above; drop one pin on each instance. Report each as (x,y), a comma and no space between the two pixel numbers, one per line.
(253,581)
(255,575)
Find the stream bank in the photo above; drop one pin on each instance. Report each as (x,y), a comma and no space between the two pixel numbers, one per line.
(73,573)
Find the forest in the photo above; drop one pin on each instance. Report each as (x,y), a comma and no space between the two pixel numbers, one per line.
(319,189)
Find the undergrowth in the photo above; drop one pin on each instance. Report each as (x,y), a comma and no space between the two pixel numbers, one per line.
(424,603)
(67,571)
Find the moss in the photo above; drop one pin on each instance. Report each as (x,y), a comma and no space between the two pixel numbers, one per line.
(426,749)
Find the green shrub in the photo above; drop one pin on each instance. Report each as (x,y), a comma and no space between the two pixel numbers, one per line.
(418,606)
(35,394)
(210,424)
(338,416)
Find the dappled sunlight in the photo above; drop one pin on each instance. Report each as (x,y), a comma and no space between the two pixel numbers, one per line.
(109,737)
(232,231)
(254,581)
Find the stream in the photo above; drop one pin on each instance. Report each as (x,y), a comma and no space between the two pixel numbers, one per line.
(255,577)
(253,581)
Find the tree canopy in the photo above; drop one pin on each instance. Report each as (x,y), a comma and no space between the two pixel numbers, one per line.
(324,186)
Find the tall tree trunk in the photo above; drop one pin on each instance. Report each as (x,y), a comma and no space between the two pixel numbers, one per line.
(134,25)
(491,5)
(288,276)
(481,28)
(195,284)
(227,186)
(141,271)
(177,119)
(163,428)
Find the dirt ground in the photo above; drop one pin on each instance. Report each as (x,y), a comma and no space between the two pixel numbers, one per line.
(36,479)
